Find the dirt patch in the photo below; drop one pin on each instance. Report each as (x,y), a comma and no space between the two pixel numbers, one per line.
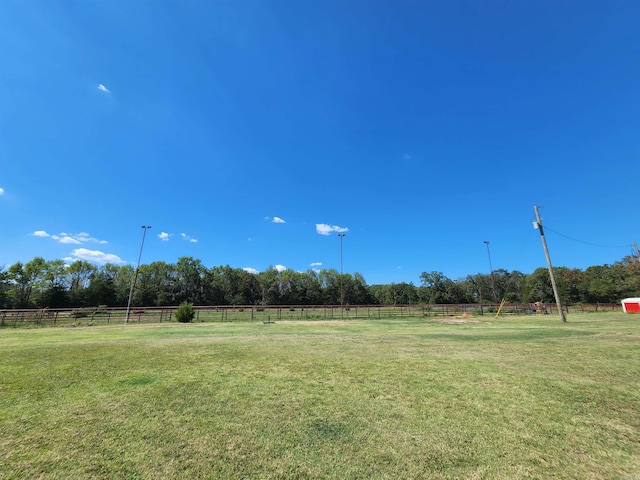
(315,322)
(465,318)
(460,321)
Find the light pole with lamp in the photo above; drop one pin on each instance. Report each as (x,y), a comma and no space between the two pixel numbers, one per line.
(341,235)
(135,277)
(493,283)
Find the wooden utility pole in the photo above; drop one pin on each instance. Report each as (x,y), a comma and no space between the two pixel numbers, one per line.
(538,225)
(635,247)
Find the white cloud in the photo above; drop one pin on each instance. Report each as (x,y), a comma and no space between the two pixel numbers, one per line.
(278,220)
(406,156)
(1,191)
(251,270)
(188,238)
(164,236)
(315,264)
(324,229)
(69,238)
(280,268)
(104,89)
(95,256)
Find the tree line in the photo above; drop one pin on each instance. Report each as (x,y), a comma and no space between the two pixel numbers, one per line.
(40,283)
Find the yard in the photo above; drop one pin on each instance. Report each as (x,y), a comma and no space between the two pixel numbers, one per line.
(412,397)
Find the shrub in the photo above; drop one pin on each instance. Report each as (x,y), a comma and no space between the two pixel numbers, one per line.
(185,312)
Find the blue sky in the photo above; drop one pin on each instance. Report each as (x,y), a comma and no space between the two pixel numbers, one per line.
(250,133)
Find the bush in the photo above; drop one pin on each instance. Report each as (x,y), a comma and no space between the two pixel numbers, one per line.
(185,312)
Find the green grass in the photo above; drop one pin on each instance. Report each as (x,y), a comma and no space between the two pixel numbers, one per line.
(523,397)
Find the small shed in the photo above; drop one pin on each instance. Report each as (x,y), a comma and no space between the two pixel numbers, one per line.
(631,305)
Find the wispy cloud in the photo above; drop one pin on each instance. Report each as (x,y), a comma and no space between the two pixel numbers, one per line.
(95,256)
(280,268)
(69,238)
(406,156)
(164,236)
(104,89)
(251,270)
(315,264)
(188,238)
(278,220)
(1,191)
(325,229)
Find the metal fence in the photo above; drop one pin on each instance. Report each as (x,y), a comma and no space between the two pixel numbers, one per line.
(270,314)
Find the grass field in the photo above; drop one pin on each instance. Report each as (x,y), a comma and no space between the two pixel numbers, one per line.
(522,397)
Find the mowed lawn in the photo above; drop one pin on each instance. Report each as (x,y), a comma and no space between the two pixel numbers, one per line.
(524,397)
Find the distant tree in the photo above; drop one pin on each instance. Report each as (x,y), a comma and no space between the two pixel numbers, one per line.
(27,281)
(402,294)
(538,285)
(214,286)
(435,288)
(78,278)
(101,290)
(4,289)
(188,282)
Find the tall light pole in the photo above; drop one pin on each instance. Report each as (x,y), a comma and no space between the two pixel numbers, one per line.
(341,235)
(538,226)
(493,283)
(135,277)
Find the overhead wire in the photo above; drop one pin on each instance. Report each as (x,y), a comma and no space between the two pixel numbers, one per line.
(587,243)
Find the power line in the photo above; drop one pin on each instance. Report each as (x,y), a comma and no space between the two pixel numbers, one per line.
(587,243)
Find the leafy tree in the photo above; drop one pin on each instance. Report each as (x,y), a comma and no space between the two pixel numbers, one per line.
(435,287)
(101,290)
(159,284)
(213,286)
(27,280)
(4,288)
(394,294)
(538,285)
(122,276)
(361,294)
(188,281)
(78,279)
(329,280)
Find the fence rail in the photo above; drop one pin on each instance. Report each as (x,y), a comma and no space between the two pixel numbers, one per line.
(270,314)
